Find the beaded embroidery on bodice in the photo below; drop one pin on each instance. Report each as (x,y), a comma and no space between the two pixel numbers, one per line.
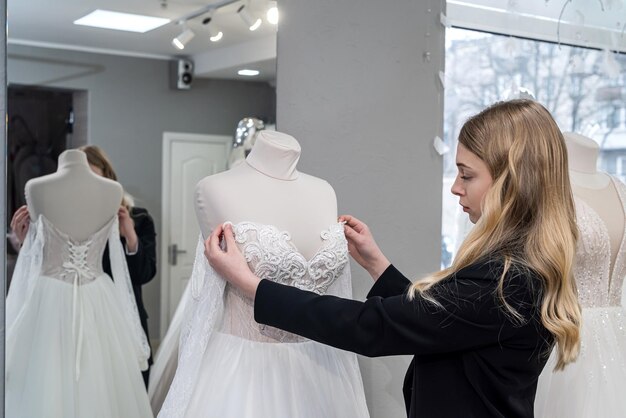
(71,261)
(271,255)
(598,286)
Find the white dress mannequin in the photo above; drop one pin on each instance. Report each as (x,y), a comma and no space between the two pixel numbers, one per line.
(286,225)
(74,344)
(593,385)
(275,194)
(593,187)
(93,199)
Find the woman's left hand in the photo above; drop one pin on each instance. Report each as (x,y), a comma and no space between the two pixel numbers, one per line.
(229,262)
(127,229)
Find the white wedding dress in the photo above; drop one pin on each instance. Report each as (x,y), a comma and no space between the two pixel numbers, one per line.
(594,385)
(231,366)
(74,344)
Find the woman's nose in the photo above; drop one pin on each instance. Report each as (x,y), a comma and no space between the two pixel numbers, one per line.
(456,189)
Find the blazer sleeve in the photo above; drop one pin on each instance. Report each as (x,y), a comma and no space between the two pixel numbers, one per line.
(142,264)
(390,283)
(469,316)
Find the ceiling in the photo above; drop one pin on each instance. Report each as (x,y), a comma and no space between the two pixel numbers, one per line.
(49,24)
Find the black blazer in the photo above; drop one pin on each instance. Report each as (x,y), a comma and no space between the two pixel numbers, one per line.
(142,265)
(471,359)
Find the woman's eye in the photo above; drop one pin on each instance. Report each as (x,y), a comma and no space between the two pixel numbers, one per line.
(465,177)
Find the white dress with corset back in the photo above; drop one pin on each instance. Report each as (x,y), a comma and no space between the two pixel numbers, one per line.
(594,385)
(231,366)
(74,344)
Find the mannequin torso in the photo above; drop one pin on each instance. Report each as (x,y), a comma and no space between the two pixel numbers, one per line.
(77,201)
(267,189)
(595,188)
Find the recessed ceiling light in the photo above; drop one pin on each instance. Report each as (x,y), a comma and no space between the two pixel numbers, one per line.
(121,21)
(249,73)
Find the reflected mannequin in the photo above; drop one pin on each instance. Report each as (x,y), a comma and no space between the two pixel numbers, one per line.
(593,385)
(73,175)
(75,346)
(137,233)
(243,141)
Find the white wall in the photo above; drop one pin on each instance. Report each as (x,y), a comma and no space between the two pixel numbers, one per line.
(358,86)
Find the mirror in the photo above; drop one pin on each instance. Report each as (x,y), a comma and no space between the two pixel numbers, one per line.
(164,117)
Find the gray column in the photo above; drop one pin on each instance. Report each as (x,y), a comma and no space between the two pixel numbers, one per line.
(358,86)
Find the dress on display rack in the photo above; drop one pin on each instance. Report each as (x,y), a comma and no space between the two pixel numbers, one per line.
(230,366)
(74,345)
(593,386)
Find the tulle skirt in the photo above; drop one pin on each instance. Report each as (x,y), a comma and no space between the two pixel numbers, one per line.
(247,379)
(43,376)
(594,385)
(166,360)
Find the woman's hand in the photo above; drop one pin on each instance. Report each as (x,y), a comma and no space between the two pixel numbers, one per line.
(363,248)
(127,229)
(20,223)
(229,262)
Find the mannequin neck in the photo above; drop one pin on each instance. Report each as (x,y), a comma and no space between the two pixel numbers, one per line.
(73,158)
(582,153)
(582,156)
(275,154)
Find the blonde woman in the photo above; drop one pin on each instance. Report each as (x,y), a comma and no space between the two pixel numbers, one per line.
(481,330)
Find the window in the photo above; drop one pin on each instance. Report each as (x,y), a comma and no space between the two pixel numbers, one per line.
(583,88)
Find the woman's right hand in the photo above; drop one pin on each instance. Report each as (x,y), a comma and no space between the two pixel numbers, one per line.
(362,246)
(20,223)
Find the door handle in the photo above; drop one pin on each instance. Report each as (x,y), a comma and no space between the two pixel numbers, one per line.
(172,254)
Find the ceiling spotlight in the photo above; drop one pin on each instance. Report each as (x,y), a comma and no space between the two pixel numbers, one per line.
(183,39)
(251,22)
(272,14)
(214,34)
(249,73)
(214,37)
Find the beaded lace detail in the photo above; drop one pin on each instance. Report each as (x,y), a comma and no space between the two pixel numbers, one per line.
(598,286)
(214,306)
(272,256)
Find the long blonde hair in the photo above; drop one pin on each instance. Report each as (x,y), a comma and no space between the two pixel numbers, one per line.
(528,218)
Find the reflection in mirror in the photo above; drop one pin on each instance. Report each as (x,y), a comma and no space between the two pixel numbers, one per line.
(149,123)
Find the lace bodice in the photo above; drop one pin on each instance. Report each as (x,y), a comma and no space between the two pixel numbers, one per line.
(597,285)
(271,255)
(49,254)
(68,260)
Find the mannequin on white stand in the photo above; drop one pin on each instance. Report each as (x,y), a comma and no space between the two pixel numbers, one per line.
(594,187)
(264,187)
(593,385)
(74,340)
(286,221)
(276,193)
(93,199)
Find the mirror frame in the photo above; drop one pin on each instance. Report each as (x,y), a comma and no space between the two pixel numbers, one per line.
(3,141)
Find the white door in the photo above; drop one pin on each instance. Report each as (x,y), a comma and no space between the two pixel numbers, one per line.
(187,158)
